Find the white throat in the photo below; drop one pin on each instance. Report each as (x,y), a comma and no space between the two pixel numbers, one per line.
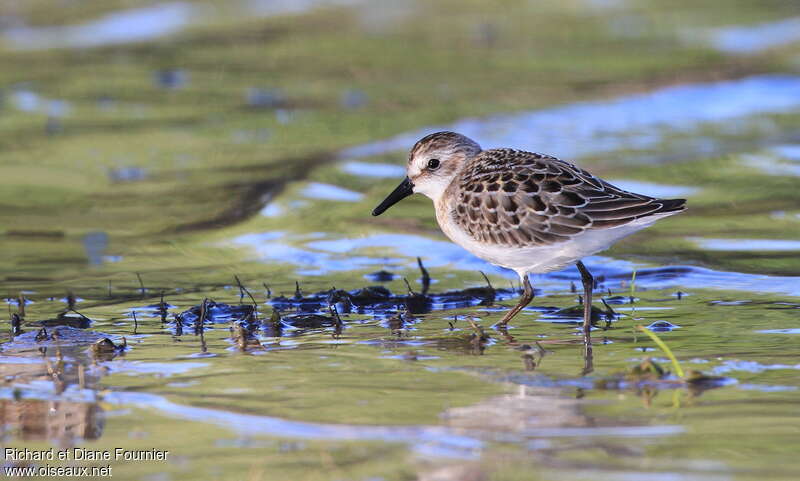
(432,188)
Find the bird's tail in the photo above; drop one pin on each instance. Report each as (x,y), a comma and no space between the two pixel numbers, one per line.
(670,206)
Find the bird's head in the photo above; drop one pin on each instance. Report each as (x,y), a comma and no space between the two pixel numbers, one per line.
(433,163)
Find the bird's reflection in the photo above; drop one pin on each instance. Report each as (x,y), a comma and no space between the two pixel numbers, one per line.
(63,422)
(52,415)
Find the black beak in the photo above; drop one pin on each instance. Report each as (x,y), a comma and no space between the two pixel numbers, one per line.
(402,191)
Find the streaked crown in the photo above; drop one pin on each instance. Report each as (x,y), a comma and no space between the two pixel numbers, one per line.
(445,143)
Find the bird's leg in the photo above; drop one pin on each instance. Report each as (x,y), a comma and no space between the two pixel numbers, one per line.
(588,286)
(588,358)
(527,296)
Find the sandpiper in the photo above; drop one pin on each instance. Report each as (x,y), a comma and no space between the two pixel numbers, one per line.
(528,212)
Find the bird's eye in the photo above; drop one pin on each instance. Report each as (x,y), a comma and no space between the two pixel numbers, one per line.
(433,164)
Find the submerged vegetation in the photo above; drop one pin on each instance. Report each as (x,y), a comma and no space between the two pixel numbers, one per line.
(190,264)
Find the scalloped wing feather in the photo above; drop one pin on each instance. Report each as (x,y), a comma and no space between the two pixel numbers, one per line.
(515,198)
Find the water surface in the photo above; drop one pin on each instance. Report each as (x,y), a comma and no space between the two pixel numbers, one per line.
(194,153)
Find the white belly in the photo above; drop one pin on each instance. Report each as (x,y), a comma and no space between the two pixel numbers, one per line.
(537,260)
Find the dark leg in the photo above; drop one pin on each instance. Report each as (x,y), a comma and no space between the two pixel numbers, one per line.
(588,287)
(527,297)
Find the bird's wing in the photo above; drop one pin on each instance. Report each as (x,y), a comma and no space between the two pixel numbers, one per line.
(516,198)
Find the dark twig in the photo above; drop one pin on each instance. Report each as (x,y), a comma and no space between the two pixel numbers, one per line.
(199,323)
(21,305)
(239,336)
(162,309)
(135,323)
(410,290)
(142,290)
(337,328)
(478,338)
(71,300)
(426,278)
(488,282)
(16,325)
(202,320)
(178,325)
(242,289)
(609,310)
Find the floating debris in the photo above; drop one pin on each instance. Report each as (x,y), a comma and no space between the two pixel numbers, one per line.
(378,299)
(218,312)
(646,370)
(486,295)
(698,381)
(69,318)
(371,295)
(647,377)
(340,300)
(398,323)
(52,337)
(243,336)
(478,339)
(105,349)
(309,321)
(417,303)
(273,326)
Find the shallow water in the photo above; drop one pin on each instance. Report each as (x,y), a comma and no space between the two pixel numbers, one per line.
(635,122)
(185,177)
(137,25)
(756,38)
